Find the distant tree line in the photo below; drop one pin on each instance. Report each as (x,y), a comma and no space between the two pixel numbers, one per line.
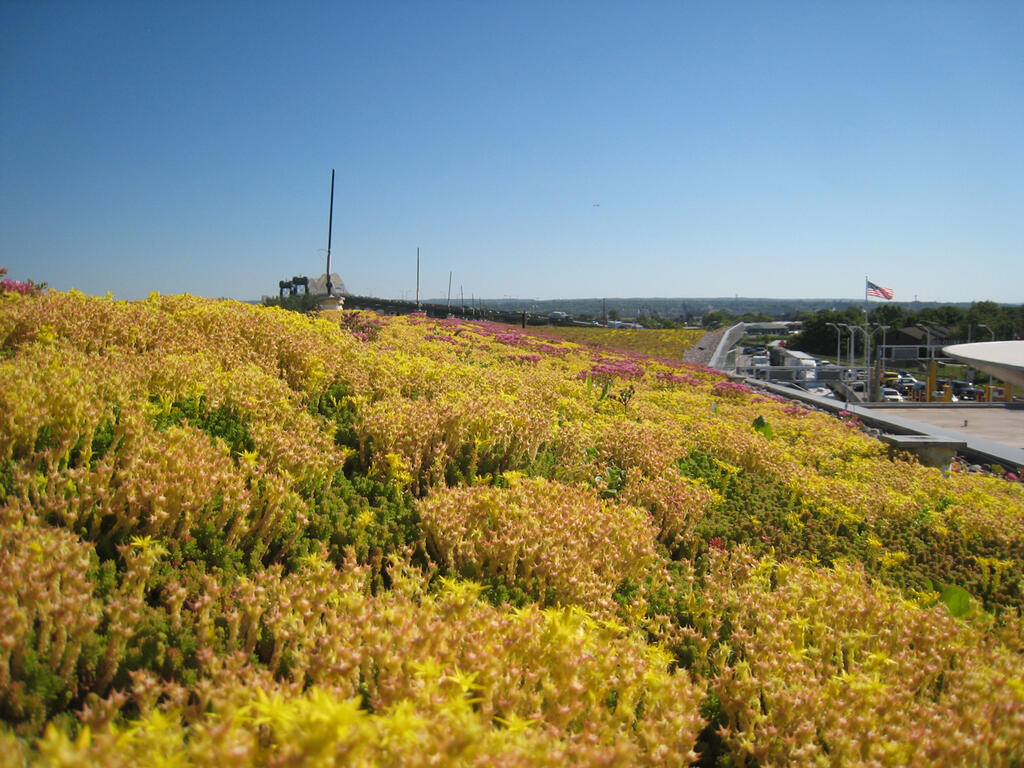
(720,318)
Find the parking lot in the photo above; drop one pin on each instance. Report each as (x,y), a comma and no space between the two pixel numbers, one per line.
(999,423)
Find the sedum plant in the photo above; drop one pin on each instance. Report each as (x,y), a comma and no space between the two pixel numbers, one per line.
(238,534)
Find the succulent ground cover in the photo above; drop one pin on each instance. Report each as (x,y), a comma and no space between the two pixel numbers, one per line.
(238,535)
(648,341)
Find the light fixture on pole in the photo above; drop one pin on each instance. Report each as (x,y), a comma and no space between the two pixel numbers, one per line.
(982,325)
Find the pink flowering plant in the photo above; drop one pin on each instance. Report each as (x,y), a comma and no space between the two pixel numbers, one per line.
(732,389)
(25,288)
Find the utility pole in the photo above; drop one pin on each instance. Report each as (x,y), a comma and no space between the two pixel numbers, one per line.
(330,228)
(417,278)
(449,292)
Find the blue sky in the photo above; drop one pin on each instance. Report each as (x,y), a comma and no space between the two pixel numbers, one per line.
(760,149)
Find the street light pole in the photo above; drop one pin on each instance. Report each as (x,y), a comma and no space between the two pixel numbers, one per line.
(850,344)
(883,329)
(982,325)
(839,343)
(928,338)
(867,345)
(876,380)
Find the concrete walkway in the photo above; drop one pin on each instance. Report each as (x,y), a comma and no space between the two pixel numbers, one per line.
(998,422)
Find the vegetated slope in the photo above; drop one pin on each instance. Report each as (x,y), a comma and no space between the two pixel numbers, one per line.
(239,534)
(647,341)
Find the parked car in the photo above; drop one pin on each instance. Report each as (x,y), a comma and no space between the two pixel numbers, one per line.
(965,390)
(972,393)
(937,394)
(904,384)
(904,380)
(890,395)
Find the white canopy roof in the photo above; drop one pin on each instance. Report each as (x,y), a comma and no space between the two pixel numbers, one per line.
(1002,359)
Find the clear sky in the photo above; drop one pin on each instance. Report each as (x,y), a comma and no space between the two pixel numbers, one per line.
(534,149)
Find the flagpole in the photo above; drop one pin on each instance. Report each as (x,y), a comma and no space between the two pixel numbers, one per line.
(867,343)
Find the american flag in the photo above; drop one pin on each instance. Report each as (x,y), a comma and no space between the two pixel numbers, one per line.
(879,292)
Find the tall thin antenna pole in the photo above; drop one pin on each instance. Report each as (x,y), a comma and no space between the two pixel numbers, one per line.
(449,291)
(417,278)
(330,228)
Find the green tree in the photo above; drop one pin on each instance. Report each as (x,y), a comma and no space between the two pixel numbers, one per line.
(947,316)
(818,337)
(893,315)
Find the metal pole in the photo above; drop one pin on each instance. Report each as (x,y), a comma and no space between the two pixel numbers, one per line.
(417,278)
(449,291)
(867,339)
(849,344)
(867,344)
(330,228)
(839,343)
(928,339)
